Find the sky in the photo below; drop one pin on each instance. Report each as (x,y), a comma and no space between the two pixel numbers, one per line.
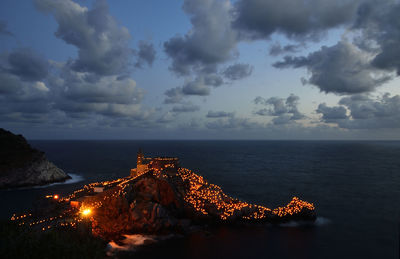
(200,69)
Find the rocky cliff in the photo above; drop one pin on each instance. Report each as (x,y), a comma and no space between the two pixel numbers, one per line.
(21,165)
(178,200)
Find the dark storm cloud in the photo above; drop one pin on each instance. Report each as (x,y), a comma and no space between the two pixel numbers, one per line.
(211,40)
(296,19)
(238,71)
(219,114)
(187,107)
(284,110)
(341,69)
(27,65)
(103,46)
(365,112)
(146,54)
(4,30)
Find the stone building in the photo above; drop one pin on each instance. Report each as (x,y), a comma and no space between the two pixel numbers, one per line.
(143,163)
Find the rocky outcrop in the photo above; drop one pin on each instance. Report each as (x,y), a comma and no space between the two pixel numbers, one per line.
(177,201)
(21,165)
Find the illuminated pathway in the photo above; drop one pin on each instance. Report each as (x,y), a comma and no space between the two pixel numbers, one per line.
(202,194)
(205,199)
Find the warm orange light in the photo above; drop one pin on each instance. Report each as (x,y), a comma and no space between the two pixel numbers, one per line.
(86,212)
(55,197)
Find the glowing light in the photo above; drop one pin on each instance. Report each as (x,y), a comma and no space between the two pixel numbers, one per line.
(86,212)
(205,198)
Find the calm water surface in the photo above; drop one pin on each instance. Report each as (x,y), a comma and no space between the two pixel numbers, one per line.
(355,187)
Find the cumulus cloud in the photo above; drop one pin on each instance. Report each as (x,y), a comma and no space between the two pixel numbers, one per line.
(24,95)
(210,41)
(219,114)
(27,65)
(200,86)
(233,123)
(174,95)
(341,69)
(196,87)
(145,55)
(364,112)
(103,45)
(213,80)
(365,63)
(10,84)
(259,19)
(284,110)
(107,95)
(238,71)
(332,114)
(23,101)
(93,88)
(277,49)
(380,25)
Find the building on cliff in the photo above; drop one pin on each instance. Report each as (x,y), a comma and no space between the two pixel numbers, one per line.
(157,163)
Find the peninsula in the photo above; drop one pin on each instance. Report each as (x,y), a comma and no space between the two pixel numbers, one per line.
(158,197)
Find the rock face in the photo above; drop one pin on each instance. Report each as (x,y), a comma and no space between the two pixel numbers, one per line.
(175,201)
(21,165)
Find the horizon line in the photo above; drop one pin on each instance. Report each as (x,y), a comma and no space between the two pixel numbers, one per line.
(39,139)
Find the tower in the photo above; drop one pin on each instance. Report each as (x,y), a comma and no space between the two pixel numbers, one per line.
(140,157)
(141,164)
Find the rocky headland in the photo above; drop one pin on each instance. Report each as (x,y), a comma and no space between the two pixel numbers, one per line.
(175,200)
(158,201)
(22,166)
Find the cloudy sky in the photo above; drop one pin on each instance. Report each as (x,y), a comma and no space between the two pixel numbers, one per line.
(200,69)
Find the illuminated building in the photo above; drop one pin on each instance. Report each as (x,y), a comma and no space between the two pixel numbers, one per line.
(157,163)
(199,199)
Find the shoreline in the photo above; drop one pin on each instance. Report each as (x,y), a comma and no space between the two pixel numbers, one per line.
(74,178)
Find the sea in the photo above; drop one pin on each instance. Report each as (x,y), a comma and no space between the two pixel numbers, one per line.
(354,185)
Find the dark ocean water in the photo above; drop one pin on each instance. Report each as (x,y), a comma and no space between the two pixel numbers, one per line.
(355,187)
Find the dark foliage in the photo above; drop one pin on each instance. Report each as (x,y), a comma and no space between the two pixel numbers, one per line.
(20,242)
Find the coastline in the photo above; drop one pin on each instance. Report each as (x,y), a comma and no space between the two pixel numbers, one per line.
(74,178)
